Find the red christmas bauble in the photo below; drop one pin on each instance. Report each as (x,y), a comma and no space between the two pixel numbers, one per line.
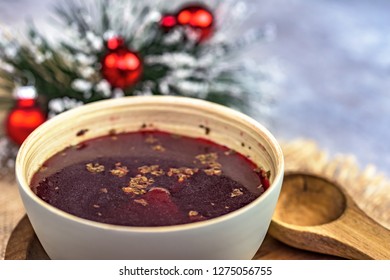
(197,17)
(24,118)
(168,21)
(115,43)
(121,67)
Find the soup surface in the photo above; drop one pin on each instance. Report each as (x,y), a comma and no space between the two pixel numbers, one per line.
(149,178)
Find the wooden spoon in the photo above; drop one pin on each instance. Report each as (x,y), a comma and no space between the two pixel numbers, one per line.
(315,214)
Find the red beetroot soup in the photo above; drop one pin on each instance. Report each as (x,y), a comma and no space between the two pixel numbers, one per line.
(149,178)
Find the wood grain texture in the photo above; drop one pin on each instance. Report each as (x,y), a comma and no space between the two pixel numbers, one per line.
(369,188)
(313,213)
(24,245)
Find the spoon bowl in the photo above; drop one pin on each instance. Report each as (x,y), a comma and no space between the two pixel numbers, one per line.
(315,214)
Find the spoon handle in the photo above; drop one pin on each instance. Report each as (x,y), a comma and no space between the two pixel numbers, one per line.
(359,236)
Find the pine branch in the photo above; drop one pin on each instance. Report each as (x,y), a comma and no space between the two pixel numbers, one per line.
(183,65)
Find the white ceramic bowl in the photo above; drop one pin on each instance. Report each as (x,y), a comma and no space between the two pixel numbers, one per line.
(236,235)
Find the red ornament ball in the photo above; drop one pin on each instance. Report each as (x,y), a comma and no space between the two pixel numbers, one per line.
(168,21)
(197,17)
(25,117)
(115,43)
(120,66)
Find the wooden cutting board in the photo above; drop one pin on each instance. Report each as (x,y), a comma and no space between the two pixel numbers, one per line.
(24,245)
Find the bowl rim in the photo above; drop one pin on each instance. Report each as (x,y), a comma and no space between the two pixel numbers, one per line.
(25,188)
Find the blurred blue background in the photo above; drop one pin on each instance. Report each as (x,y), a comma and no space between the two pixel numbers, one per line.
(334,57)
